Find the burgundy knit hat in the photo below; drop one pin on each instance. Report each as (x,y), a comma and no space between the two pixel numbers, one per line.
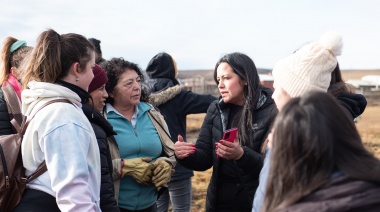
(100,78)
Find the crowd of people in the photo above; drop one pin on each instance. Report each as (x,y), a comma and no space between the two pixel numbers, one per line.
(118,143)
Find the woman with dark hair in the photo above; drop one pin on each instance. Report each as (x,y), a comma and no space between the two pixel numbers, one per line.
(244,104)
(354,104)
(60,67)
(144,161)
(330,169)
(103,132)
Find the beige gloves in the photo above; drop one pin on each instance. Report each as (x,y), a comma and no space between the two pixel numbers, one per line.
(162,172)
(139,169)
(142,171)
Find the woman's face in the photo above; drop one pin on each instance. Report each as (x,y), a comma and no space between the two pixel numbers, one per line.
(86,75)
(127,91)
(230,86)
(99,97)
(280,96)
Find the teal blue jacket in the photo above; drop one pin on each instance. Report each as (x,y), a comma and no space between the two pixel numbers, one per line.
(138,142)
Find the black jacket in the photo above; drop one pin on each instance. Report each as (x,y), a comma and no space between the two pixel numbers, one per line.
(5,123)
(340,194)
(173,102)
(353,104)
(248,166)
(103,129)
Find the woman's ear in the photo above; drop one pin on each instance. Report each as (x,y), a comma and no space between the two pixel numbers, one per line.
(75,69)
(14,71)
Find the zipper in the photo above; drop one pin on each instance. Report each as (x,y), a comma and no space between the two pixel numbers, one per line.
(4,167)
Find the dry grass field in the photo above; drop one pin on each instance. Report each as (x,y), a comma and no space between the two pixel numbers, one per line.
(368,126)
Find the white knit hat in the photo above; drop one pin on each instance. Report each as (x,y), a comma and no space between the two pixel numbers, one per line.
(310,67)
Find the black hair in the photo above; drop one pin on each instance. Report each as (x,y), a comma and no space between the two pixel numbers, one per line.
(115,68)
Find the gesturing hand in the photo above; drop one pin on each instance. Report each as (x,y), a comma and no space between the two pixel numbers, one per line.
(183,149)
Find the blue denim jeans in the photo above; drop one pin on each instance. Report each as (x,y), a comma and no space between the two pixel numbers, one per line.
(179,193)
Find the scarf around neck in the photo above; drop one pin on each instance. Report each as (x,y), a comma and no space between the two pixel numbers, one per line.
(12,81)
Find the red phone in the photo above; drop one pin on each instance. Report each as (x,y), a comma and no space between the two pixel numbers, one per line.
(230,135)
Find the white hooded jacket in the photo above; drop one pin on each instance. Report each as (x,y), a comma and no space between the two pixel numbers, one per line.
(61,135)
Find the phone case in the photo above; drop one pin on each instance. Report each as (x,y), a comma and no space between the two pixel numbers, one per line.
(230,135)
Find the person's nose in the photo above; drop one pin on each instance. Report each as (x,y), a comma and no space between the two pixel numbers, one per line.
(220,84)
(105,94)
(136,86)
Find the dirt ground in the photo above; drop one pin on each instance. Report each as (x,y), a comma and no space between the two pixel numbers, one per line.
(368,126)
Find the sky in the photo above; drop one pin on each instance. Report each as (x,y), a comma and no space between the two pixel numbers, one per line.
(198,32)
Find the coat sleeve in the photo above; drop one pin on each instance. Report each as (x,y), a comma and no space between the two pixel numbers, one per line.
(202,158)
(192,103)
(107,193)
(68,169)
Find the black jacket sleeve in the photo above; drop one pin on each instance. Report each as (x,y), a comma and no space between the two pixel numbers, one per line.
(107,194)
(192,103)
(353,104)
(202,158)
(5,123)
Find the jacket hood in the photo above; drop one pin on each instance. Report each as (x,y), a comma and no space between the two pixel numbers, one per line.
(162,66)
(159,84)
(42,91)
(163,96)
(355,104)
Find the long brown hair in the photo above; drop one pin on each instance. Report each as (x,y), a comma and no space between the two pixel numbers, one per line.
(313,138)
(54,54)
(11,59)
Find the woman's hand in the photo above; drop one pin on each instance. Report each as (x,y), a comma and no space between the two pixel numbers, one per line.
(229,150)
(183,149)
(162,172)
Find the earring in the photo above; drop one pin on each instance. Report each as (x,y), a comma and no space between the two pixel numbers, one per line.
(77,79)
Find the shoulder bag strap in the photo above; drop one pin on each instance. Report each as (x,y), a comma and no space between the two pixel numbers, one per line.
(13,105)
(159,124)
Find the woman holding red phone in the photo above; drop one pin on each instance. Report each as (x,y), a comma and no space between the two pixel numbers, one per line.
(246,105)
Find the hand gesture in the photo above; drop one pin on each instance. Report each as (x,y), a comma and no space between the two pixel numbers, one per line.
(183,149)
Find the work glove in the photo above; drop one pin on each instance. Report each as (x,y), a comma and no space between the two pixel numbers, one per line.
(139,169)
(162,172)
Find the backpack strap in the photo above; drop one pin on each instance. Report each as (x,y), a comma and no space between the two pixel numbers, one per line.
(42,167)
(13,104)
